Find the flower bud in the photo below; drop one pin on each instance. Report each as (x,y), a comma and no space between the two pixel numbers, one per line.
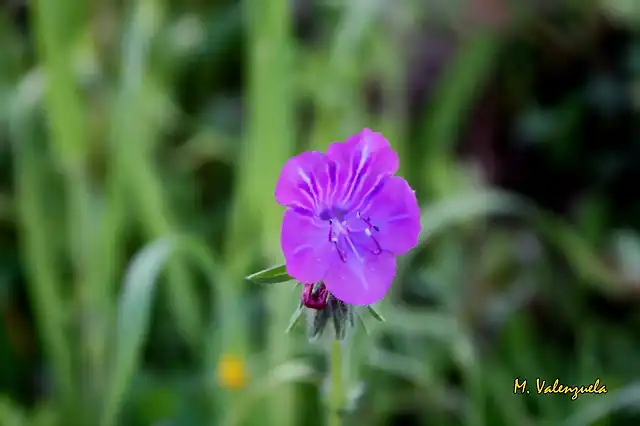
(315,296)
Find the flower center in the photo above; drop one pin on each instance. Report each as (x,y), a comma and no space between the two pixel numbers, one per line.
(333,213)
(351,234)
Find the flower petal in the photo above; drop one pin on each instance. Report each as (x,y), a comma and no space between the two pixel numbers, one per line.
(362,162)
(305,245)
(361,280)
(297,186)
(396,214)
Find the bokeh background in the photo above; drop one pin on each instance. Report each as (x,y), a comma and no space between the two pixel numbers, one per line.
(140,142)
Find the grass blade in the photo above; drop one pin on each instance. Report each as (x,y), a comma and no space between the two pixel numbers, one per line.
(625,398)
(133,320)
(135,305)
(43,271)
(135,134)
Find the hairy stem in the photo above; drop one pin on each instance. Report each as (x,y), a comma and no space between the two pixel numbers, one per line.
(336,393)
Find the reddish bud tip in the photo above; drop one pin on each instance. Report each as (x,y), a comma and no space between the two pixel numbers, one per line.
(315,296)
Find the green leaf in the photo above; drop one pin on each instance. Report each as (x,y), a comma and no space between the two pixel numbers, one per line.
(374,312)
(612,402)
(134,310)
(342,317)
(363,324)
(484,203)
(295,317)
(318,321)
(627,251)
(133,319)
(273,275)
(295,371)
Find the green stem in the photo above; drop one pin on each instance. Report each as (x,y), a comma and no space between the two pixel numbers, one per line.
(336,395)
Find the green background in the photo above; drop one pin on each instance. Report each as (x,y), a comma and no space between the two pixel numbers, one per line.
(140,142)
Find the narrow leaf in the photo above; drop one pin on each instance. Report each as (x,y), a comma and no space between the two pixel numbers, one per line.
(318,321)
(374,312)
(295,317)
(341,315)
(363,324)
(273,275)
(134,314)
(134,311)
(595,412)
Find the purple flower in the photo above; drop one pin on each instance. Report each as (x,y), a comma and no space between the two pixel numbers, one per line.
(348,217)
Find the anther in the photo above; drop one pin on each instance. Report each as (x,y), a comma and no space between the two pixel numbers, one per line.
(378,248)
(367,220)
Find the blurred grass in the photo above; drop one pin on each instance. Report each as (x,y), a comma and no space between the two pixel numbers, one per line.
(141,144)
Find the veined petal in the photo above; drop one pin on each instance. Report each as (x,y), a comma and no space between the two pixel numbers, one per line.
(297,187)
(306,247)
(361,280)
(396,214)
(362,162)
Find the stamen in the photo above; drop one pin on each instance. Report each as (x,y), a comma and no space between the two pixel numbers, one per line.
(378,249)
(367,220)
(341,253)
(344,229)
(369,234)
